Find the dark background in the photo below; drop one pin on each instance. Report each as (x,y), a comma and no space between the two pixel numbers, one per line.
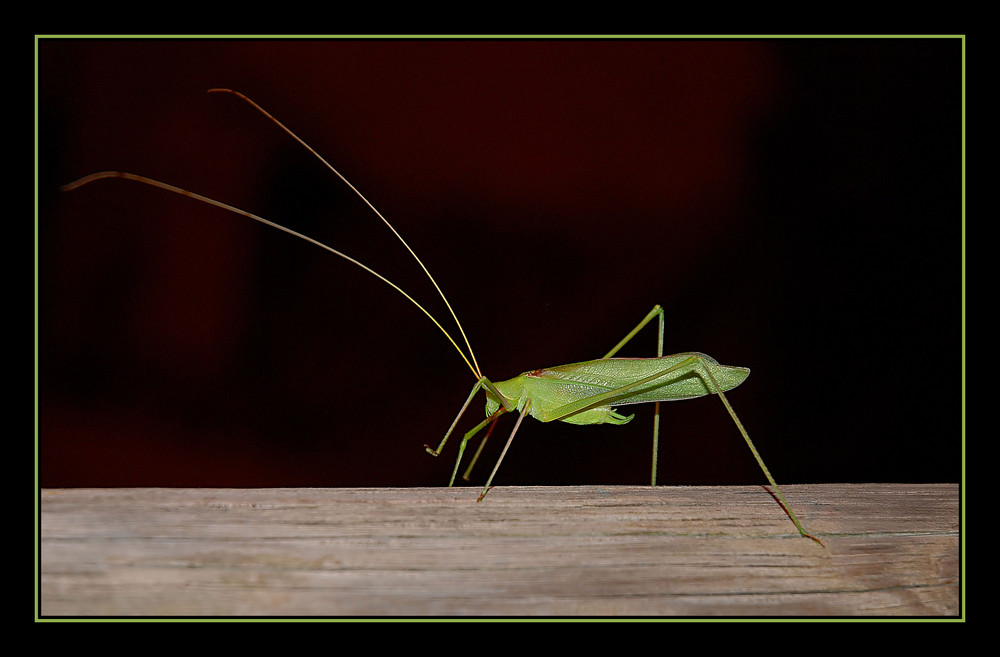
(795,205)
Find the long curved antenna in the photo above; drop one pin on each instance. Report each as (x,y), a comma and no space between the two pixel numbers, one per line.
(329,166)
(204,199)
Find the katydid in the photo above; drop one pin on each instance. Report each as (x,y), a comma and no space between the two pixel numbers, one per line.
(579,393)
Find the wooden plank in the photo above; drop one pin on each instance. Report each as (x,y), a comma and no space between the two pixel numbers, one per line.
(891,550)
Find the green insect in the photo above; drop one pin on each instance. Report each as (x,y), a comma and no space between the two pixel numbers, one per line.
(579,393)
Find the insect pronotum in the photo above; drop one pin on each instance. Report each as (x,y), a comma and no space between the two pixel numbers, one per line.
(578,393)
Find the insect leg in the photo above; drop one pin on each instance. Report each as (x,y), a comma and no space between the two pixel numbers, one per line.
(479,450)
(657,312)
(437,452)
(693,364)
(482,383)
(675,371)
(746,436)
(496,467)
(492,421)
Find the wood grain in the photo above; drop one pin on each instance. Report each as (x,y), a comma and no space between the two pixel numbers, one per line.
(890,550)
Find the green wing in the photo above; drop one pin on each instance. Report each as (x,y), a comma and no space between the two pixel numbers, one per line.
(554,390)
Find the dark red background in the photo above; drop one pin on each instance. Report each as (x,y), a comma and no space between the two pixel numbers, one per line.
(795,205)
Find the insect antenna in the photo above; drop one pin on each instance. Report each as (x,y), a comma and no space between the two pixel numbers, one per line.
(473,365)
(329,166)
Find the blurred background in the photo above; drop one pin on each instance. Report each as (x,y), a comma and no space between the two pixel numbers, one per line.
(795,205)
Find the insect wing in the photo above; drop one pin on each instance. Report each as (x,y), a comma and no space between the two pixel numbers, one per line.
(568,383)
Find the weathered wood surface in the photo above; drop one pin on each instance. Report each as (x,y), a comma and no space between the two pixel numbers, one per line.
(531,551)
